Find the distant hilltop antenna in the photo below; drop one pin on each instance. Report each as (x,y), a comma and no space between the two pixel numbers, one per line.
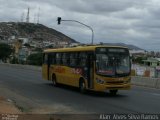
(27,18)
(38,15)
(22,17)
(34,18)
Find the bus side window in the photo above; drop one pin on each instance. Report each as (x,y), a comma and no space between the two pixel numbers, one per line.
(65,58)
(82,59)
(74,59)
(58,58)
(45,58)
(53,58)
(77,59)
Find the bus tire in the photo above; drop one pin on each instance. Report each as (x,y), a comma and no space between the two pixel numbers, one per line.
(113,92)
(82,86)
(54,81)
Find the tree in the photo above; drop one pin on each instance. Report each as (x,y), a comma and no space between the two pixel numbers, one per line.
(38,49)
(35,59)
(14,60)
(5,51)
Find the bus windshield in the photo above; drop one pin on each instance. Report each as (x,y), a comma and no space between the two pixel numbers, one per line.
(114,62)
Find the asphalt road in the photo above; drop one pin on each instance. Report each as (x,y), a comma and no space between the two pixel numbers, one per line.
(32,93)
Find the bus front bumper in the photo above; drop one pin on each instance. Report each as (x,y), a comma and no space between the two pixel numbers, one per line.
(104,87)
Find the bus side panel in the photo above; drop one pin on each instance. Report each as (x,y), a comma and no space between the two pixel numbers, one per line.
(60,78)
(59,71)
(72,77)
(66,75)
(69,77)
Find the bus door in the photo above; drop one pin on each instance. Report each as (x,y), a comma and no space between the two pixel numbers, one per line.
(90,73)
(46,65)
(49,64)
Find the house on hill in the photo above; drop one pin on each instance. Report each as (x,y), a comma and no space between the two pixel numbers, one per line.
(152,62)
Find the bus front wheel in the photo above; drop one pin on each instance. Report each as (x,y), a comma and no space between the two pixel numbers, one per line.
(113,92)
(82,86)
(54,80)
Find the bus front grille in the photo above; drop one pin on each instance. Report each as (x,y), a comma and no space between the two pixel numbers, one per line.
(115,82)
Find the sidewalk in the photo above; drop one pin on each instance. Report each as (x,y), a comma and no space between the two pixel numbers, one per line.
(7,106)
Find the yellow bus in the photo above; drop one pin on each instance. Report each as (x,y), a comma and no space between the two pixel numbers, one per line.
(97,68)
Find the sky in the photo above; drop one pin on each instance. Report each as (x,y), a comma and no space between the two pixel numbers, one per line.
(135,22)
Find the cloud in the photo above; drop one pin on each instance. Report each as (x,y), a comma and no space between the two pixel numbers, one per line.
(132,22)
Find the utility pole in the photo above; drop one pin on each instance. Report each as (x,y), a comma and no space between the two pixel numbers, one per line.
(59,19)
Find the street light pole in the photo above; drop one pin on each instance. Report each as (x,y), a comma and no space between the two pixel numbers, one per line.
(59,21)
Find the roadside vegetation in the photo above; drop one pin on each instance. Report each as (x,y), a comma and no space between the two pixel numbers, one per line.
(5,51)
(7,55)
(138,60)
(35,59)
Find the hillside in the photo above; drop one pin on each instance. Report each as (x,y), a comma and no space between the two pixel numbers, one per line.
(131,47)
(39,33)
(32,31)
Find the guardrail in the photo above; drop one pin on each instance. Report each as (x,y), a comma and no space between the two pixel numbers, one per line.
(146,81)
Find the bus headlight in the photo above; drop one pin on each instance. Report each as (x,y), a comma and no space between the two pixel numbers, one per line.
(100,81)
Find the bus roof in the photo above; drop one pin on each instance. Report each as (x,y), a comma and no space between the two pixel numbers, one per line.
(79,48)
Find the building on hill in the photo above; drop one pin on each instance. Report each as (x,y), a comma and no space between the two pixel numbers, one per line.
(153,62)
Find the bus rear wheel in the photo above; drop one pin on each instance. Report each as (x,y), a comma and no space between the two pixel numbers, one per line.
(113,92)
(54,80)
(82,86)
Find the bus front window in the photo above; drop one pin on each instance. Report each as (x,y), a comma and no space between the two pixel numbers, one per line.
(122,64)
(115,62)
(105,64)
